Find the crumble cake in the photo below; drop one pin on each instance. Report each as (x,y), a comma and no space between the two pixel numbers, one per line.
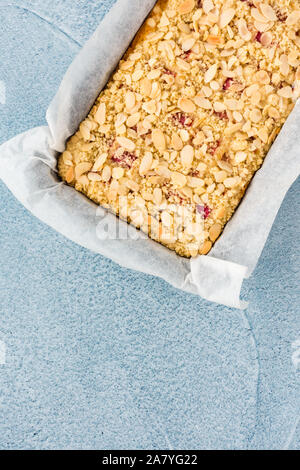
(186,120)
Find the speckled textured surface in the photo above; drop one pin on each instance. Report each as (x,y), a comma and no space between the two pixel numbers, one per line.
(102,357)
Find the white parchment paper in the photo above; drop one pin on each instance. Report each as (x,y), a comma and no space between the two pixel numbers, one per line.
(28,167)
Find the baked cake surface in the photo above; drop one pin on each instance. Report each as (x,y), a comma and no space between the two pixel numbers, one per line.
(187,118)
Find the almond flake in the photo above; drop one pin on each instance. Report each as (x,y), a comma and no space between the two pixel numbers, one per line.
(100,162)
(243,30)
(129,100)
(126,144)
(205,248)
(159,140)
(133,120)
(202,102)
(266,39)
(268,12)
(176,142)
(284,66)
(210,74)
(214,232)
(187,156)
(70,175)
(285,92)
(262,77)
(255,13)
(207,6)
(146,87)
(157,196)
(178,179)
(226,16)
(186,7)
(188,44)
(94,177)
(82,168)
(100,115)
(293,18)
(117,173)
(146,163)
(186,105)
(106,173)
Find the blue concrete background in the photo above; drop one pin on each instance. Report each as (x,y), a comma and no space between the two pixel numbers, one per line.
(102,357)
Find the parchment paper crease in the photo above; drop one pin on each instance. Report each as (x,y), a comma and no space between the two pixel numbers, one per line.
(28,167)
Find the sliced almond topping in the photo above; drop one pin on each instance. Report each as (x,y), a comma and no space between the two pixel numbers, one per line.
(178,179)
(226,16)
(284,66)
(154,74)
(188,44)
(220,176)
(82,168)
(120,119)
(159,140)
(67,158)
(255,13)
(150,107)
(214,232)
(255,115)
(268,12)
(176,142)
(187,156)
(137,75)
(262,77)
(127,144)
(231,182)
(186,105)
(293,18)
(186,7)
(106,173)
(132,185)
(202,102)
(263,134)
(117,173)
(240,157)
(157,196)
(85,130)
(214,40)
(100,162)
(205,248)
(243,30)
(83,180)
(266,39)
(232,104)
(133,120)
(255,98)
(129,100)
(207,6)
(164,21)
(94,177)
(100,115)
(273,113)
(163,171)
(146,163)
(146,87)
(70,175)
(219,107)
(210,73)
(285,92)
